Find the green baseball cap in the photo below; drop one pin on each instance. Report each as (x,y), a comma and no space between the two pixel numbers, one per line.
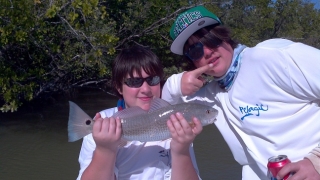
(189,22)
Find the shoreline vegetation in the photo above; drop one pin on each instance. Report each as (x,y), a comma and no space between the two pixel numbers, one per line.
(49,49)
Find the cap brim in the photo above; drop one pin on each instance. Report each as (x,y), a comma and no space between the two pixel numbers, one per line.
(178,43)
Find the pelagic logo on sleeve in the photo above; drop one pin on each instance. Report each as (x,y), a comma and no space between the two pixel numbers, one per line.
(252,110)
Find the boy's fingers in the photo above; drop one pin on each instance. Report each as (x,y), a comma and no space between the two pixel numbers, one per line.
(199,71)
(97,116)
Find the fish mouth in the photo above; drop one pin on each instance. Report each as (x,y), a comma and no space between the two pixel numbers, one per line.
(207,122)
(210,121)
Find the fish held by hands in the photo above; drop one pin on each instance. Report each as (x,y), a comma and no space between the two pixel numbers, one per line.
(141,125)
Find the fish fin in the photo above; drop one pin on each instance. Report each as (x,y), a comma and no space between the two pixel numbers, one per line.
(130,112)
(158,103)
(77,127)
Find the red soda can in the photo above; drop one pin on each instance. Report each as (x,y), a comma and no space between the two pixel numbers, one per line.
(275,163)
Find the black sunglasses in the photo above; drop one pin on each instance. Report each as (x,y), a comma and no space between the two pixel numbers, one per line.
(195,51)
(137,82)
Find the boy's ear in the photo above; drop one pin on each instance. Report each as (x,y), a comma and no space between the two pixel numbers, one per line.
(119,91)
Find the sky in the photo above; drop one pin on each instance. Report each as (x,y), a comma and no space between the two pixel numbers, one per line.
(317,3)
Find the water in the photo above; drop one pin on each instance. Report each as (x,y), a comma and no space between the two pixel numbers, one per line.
(34,145)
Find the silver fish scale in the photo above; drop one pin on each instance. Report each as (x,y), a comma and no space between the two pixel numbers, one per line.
(153,126)
(145,128)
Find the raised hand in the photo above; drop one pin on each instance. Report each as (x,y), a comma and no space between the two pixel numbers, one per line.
(106,132)
(182,132)
(191,81)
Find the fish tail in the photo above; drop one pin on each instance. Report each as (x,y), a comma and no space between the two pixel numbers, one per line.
(79,124)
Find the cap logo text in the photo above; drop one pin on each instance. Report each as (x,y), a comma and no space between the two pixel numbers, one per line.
(186,19)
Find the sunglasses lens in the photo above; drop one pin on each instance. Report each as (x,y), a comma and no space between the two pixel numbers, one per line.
(211,41)
(213,44)
(195,51)
(153,80)
(134,82)
(137,82)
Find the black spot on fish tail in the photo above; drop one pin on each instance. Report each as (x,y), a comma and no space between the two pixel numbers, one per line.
(88,122)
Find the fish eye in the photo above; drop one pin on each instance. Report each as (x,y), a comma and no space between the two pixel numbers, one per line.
(208,111)
(88,122)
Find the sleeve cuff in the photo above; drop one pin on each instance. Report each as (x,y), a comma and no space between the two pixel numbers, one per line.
(171,90)
(314,157)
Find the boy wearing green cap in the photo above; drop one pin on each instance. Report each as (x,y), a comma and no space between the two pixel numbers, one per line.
(268,95)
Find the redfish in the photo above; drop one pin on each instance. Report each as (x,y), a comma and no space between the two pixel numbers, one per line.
(141,125)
